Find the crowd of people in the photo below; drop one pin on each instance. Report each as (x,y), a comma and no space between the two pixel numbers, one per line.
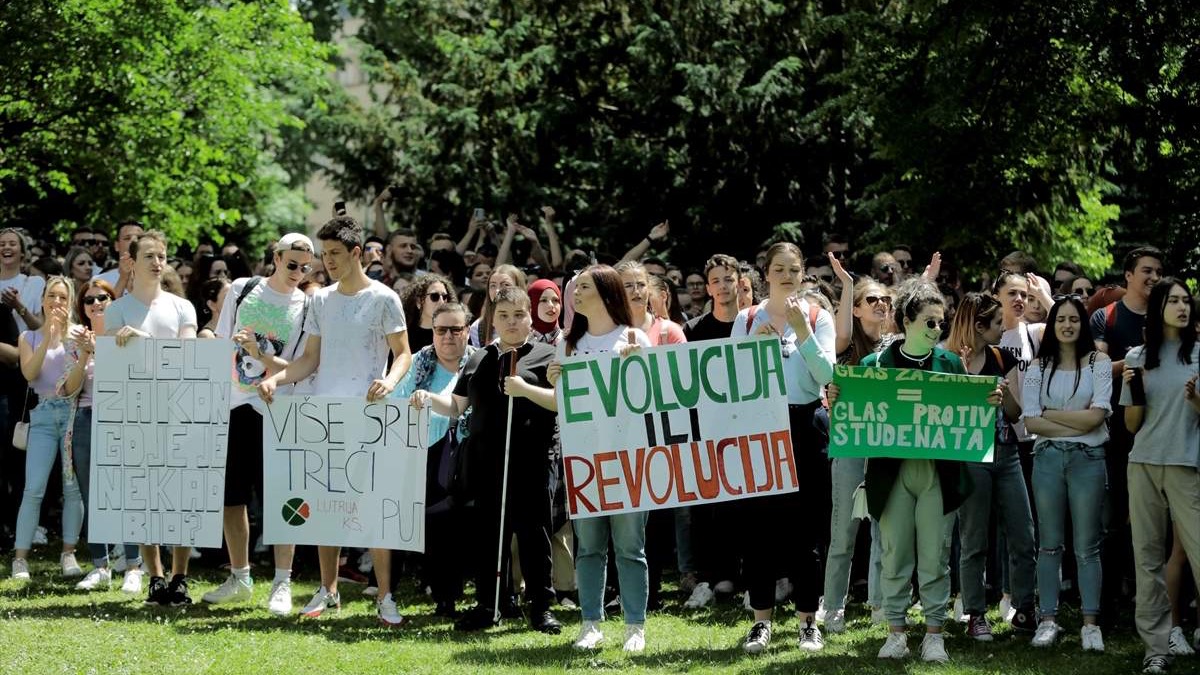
(1093,492)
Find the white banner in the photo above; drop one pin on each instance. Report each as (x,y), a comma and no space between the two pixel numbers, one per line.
(160,432)
(344,472)
(675,425)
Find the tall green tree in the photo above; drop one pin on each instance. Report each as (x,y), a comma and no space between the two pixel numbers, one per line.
(173,112)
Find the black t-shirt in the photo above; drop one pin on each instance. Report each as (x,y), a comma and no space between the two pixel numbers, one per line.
(480,381)
(1125,334)
(419,337)
(707,327)
(902,360)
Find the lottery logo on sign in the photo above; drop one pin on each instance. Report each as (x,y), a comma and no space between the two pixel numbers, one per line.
(295,511)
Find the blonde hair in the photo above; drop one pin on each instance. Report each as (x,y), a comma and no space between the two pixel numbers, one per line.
(60,279)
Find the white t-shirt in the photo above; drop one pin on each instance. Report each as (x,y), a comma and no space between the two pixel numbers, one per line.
(164,318)
(1089,387)
(1022,342)
(29,290)
(353,331)
(275,319)
(610,341)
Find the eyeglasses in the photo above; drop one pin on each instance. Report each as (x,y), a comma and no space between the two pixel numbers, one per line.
(292,266)
(438,297)
(93,299)
(1073,296)
(1085,291)
(453,330)
(903,263)
(827,278)
(873,300)
(934,323)
(886,269)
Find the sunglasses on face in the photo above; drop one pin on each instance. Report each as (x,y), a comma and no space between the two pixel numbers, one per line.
(1072,296)
(827,278)
(293,266)
(1085,291)
(93,299)
(438,297)
(934,323)
(904,263)
(873,300)
(453,330)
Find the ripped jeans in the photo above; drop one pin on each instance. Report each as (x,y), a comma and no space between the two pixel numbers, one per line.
(1069,478)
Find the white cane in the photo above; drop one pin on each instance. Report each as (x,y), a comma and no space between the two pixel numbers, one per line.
(512,370)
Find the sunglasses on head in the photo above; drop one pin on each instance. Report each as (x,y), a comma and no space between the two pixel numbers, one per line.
(438,297)
(453,330)
(93,299)
(876,299)
(292,266)
(934,323)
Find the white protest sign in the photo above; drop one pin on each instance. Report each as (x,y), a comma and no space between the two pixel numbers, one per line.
(344,472)
(160,432)
(675,425)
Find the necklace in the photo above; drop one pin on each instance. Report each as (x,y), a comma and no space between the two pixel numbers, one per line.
(919,361)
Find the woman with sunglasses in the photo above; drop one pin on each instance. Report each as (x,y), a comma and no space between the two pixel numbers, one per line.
(1162,408)
(999,485)
(420,300)
(94,296)
(1066,400)
(808,350)
(864,323)
(914,500)
(602,323)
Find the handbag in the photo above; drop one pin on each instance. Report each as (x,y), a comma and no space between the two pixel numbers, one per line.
(20,439)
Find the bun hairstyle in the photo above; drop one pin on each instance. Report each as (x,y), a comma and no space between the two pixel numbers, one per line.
(914,295)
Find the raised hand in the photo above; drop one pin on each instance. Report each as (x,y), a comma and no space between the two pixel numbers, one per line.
(933,269)
(660,231)
(839,271)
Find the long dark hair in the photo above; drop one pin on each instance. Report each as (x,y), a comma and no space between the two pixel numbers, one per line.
(612,292)
(413,298)
(1154,323)
(1050,353)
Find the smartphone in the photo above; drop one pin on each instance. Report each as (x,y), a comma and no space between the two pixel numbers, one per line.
(478,214)
(339,208)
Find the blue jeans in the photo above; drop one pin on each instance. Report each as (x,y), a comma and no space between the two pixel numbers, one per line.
(1000,486)
(81,448)
(1069,476)
(628,532)
(47,431)
(846,473)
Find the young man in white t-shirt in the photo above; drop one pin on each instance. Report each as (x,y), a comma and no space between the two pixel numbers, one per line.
(354,323)
(149,311)
(265,318)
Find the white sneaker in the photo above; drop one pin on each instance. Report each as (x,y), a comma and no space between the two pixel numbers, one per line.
(746,601)
(20,569)
(635,638)
(370,591)
(365,562)
(895,647)
(279,602)
(724,586)
(1046,634)
(39,536)
(758,638)
(820,614)
(783,589)
(1179,643)
(702,596)
(956,610)
(132,583)
(933,648)
(590,636)
(835,622)
(388,615)
(70,566)
(1155,665)
(568,603)
(1007,611)
(231,590)
(1091,638)
(321,601)
(117,562)
(811,639)
(99,577)
(878,617)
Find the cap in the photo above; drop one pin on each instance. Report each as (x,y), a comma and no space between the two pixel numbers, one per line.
(294,241)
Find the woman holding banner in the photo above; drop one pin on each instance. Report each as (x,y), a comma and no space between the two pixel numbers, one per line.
(51,366)
(807,337)
(999,484)
(1066,401)
(602,324)
(914,500)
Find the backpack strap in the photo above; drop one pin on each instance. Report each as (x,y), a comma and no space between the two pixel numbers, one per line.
(814,311)
(1110,316)
(251,284)
(750,317)
(303,321)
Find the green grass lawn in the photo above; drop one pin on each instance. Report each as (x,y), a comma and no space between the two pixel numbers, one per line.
(48,627)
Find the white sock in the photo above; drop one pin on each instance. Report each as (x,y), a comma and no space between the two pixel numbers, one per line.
(242,574)
(282,574)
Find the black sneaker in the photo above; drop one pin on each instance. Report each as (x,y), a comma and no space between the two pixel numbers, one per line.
(510,609)
(544,622)
(177,592)
(157,592)
(1024,621)
(476,618)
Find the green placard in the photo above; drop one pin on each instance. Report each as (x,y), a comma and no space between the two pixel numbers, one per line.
(912,414)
